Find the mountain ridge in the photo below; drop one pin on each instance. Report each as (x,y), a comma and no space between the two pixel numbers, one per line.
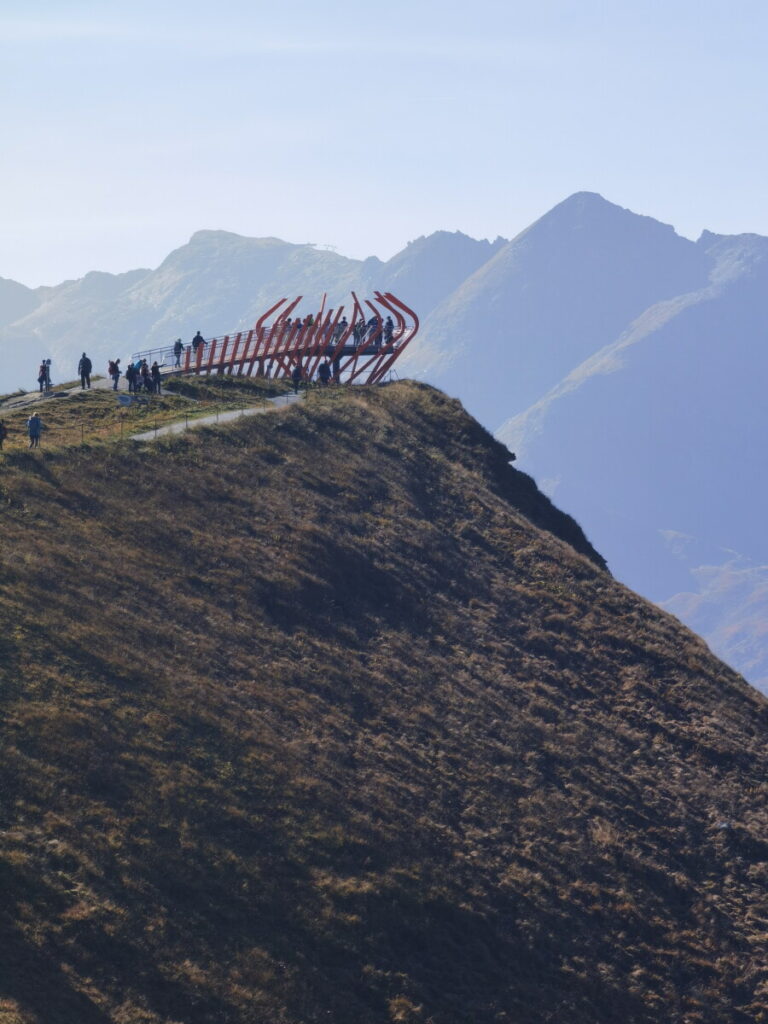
(317,724)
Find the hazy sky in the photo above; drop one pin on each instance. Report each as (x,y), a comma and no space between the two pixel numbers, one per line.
(128,126)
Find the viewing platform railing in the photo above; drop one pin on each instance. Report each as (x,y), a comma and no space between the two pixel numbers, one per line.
(352,354)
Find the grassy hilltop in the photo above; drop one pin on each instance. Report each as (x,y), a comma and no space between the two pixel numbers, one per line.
(331,716)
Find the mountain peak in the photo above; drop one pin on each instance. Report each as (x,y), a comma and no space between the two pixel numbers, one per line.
(590,209)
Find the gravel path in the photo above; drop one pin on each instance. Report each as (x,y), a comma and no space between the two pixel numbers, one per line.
(269,405)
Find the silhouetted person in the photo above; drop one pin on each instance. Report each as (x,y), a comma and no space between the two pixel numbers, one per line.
(178,348)
(388,329)
(339,330)
(42,376)
(372,331)
(113,369)
(296,374)
(34,429)
(197,342)
(84,368)
(324,373)
(155,371)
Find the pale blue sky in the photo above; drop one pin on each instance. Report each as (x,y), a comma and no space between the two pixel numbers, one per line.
(127,127)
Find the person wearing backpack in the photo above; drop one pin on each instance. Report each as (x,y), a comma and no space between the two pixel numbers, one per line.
(84,368)
(42,376)
(113,369)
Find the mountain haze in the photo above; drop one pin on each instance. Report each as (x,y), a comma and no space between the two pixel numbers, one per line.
(548,299)
(331,715)
(622,362)
(217,282)
(655,441)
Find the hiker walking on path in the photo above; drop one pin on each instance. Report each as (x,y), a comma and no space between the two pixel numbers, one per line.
(34,429)
(113,369)
(296,374)
(197,341)
(155,371)
(42,376)
(84,368)
(178,348)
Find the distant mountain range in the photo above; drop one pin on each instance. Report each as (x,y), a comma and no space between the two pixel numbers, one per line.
(623,363)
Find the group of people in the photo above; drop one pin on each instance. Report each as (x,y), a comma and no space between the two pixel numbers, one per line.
(298,374)
(178,347)
(142,377)
(363,333)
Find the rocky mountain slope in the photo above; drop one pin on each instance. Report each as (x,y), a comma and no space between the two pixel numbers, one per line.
(331,715)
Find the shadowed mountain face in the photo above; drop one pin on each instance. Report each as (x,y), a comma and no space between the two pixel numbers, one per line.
(332,716)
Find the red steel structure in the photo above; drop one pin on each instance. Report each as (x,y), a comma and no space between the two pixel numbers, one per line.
(355,353)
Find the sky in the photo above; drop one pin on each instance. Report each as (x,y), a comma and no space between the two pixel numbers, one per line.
(129,126)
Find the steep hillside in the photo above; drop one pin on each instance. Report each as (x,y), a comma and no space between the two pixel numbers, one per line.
(331,716)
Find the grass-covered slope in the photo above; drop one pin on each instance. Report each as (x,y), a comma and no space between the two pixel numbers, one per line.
(305,720)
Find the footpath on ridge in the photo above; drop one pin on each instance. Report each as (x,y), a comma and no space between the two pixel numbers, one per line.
(268,405)
(35,399)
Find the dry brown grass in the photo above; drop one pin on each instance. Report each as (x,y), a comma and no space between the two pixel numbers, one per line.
(305,720)
(88,417)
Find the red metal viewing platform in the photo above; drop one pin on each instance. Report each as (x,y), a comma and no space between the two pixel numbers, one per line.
(327,345)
